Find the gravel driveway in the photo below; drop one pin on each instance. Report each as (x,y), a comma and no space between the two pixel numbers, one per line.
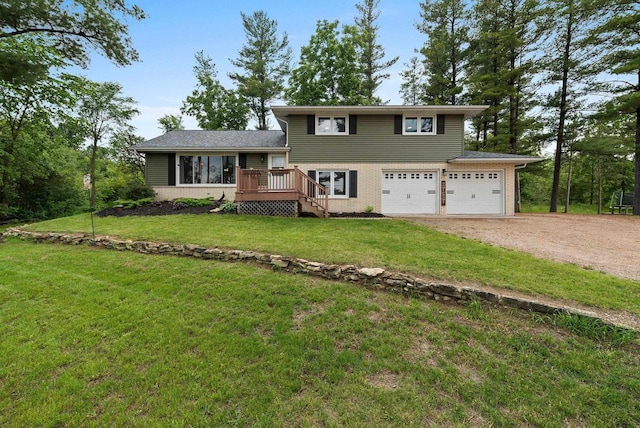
(607,243)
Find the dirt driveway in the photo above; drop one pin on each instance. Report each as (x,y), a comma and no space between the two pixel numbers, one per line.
(607,243)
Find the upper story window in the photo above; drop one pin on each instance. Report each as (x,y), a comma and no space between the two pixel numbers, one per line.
(206,169)
(331,125)
(413,125)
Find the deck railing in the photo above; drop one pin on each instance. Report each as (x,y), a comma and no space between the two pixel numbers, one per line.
(274,184)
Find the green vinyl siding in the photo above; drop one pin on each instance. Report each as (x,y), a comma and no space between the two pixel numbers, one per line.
(157,169)
(253,161)
(375,142)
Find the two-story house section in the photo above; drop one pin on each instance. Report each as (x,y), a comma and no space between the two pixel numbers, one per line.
(396,160)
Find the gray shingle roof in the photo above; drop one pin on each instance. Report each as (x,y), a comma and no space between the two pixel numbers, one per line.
(214,140)
(471,155)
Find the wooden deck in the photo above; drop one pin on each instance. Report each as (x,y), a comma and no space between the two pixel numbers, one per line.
(282,185)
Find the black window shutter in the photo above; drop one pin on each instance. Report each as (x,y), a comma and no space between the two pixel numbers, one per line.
(311,124)
(242,160)
(353,124)
(397,124)
(312,174)
(353,184)
(440,124)
(172,169)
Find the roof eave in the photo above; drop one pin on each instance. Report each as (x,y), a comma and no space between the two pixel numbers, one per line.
(515,161)
(209,149)
(468,111)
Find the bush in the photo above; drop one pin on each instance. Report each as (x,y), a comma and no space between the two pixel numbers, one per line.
(192,202)
(228,207)
(130,204)
(136,190)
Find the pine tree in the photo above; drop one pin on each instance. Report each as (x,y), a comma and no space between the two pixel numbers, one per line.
(567,63)
(619,36)
(371,52)
(501,68)
(445,23)
(413,82)
(265,63)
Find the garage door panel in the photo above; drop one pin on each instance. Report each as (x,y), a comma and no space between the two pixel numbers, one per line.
(409,192)
(475,192)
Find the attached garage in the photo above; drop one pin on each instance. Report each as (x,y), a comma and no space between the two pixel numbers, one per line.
(409,192)
(475,192)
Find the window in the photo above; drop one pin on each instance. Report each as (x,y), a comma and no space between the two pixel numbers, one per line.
(414,125)
(335,182)
(331,125)
(205,169)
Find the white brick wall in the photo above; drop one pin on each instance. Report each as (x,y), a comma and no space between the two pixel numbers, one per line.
(168,193)
(370,181)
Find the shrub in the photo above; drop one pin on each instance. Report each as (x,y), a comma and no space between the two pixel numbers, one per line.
(136,190)
(192,202)
(228,207)
(130,204)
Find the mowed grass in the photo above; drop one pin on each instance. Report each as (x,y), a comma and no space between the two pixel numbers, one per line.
(93,337)
(393,244)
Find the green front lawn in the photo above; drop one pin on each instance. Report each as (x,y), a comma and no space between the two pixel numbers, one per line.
(393,244)
(103,338)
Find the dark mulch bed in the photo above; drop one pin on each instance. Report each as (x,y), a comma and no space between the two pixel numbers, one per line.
(156,208)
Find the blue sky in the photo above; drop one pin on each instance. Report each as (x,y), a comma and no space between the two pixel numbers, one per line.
(168,40)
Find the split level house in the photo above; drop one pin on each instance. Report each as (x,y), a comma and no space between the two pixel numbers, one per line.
(395,160)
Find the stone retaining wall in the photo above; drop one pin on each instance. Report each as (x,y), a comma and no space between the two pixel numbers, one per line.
(376,278)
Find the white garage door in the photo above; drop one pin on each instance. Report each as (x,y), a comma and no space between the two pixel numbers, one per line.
(409,192)
(475,192)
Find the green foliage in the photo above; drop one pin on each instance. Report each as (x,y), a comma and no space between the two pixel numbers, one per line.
(501,69)
(170,122)
(446,25)
(413,82)
(133,203)
(213,106)
(228,207)
(76,27)
(328,72)
(371,52)
(589,327)
(192,202)
(265,63)
(368,209)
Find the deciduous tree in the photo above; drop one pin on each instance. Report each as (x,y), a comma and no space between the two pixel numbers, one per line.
(213,106)
(328,72)
(104,111)
(76,27)
(170,122)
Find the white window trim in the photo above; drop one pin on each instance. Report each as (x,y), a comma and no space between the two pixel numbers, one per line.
(178,184)
(332,118)
(346,182)
(418,130)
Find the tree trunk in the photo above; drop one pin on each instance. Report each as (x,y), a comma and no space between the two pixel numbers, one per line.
(599,186)
(562,115)
(636,190)
(92,174)
(568,194)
